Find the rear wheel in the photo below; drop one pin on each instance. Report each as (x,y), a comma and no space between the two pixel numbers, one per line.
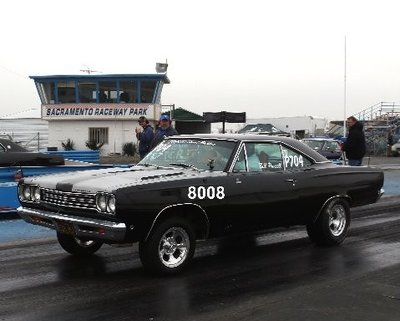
(169,248)
(77,246)
(332,225)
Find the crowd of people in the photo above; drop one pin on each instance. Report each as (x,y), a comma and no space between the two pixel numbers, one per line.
(148,137)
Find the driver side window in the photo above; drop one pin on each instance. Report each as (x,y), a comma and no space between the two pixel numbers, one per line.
(259,157)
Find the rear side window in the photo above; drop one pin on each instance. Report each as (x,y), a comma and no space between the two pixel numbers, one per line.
(293,159)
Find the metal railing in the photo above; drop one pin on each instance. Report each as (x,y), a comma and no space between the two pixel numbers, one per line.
(379,111)
(380,121)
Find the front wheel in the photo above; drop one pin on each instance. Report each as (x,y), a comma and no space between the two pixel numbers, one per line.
(77,246)
(332,224)
(169,247)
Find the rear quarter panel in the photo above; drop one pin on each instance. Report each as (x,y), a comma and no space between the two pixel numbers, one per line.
(360,185)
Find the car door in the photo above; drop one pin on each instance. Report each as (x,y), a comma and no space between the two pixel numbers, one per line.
(259,193)
(309,186)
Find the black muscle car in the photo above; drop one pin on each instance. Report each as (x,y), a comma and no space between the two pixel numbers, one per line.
(196,187)
(12,154)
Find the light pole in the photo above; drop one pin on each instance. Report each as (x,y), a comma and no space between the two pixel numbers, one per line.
(345,92)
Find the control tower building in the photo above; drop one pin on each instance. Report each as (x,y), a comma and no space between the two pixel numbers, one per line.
(98,108)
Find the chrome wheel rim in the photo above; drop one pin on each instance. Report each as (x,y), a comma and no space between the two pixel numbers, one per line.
(337,220)
(174,247)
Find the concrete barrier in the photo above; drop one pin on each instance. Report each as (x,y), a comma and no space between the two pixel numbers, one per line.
(90,156)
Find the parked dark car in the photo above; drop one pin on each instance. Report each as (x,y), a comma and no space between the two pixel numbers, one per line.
(197,187)
(12,154)
(328,147)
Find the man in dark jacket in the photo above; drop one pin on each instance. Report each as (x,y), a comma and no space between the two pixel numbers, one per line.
(354,145)
(144,136)
(164,129)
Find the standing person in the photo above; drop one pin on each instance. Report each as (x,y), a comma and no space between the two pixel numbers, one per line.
(102,96)
(164,129)
(144,135)
(389,143)
(354,146)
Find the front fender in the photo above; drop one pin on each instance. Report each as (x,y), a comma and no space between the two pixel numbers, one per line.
(190,211)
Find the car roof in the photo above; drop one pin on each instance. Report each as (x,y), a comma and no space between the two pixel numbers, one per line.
(321,139)
(238,137)
(255,138)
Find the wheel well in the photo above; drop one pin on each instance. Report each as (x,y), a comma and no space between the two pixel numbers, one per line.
(193,213)
(343,197)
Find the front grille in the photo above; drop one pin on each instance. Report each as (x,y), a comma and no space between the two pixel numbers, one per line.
(68,199)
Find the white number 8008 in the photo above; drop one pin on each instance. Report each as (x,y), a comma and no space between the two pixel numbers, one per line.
(209,192)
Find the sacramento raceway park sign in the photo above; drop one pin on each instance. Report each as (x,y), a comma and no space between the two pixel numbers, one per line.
(99,111)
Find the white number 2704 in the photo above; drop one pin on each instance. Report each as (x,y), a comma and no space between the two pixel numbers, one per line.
(209,192)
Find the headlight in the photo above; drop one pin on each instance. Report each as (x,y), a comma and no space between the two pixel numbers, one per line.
(26,193)
(111,204)
(30,193)
(105,203)
(102,203)
(36,193)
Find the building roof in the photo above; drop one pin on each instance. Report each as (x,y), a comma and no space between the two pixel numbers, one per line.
(162,77)
(181,114)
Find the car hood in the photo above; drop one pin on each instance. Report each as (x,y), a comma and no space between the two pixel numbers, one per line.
(109,180)
(30,159)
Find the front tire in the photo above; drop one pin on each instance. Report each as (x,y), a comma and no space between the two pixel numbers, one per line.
(332,224)
(77,246)
(169,248)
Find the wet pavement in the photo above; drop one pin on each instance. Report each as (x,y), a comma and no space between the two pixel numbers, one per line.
(276,276)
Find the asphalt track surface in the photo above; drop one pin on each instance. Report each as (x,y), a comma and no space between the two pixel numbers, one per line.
(275,276)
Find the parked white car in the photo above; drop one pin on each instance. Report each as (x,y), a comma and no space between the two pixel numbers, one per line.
(396,149)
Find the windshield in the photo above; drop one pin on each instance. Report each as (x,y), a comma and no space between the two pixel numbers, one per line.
(314,144)
(198,154)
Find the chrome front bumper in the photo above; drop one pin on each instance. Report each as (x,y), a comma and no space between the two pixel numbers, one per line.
(380,193)
(82,227)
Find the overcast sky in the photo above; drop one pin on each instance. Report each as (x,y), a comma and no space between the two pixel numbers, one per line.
(268,58)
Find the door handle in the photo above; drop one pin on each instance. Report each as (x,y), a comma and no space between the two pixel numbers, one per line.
(291,180)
